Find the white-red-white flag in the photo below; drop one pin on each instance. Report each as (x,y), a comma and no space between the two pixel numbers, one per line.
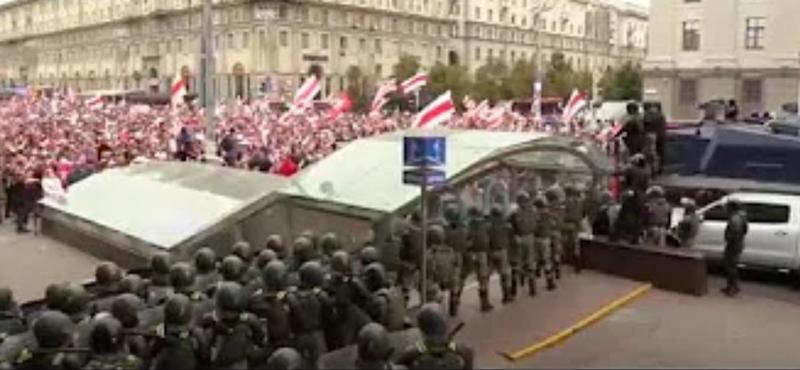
(577,102)
(381,96)
(436,113)
(96,102)
(478,111)
(414,83)
(340,105)
(307,91)
(494,117)
(178,90)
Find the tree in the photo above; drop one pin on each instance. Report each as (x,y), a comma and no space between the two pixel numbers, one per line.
(583,80)
(559,77)
(520,80)
(357,84)
(449,77)
(407,66)
(622,83)
(490,81)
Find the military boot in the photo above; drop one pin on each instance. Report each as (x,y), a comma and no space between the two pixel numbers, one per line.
(453,306)
(551,283)
(532,287)
(513,288)
(557,270)
(538,270)
(485,304)
(507,297)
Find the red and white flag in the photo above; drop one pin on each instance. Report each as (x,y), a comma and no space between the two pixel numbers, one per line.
(438,112)
(96,102)
(414,83)
(307,91)
(494,117)
(577,102)
(178,90)
(381,96)
(478,111)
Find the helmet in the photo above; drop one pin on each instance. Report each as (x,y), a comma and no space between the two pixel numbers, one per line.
(303,248)
(552,195)
(107,273)
(431,321)
(205,260)
(312,275)
(53,329)
(106,334)
(232,268)
(178,310)
(242,250)
(77,300)
(689,205)
(523,197)
(655,191)
(373,343)
(540,202)
(275,242)
(274,275)
(6,298)
(375,276)
(329,243)
(285,358)
(159,263)
(264,257)
(126,309)
(229,297)
(340,262)
(133,284)
(369,255)
(416,216)
(181,276)
(734,204)
(55,296)
(571,190)
(436,234)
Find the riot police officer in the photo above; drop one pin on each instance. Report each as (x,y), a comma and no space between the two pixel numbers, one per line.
(310,309)
(573,219)
(179,345)
(436,350)
(442,276)
(477,257)
(286,358)
(368,255)
(106,342)
(735,232)
(236,338)
(205,265)
(53,332)
(265,257)
(11,320)
(232,269)
(386,306)
(350,297)
(456,238)
(182,278)
(107,278)
(524,264)
(160,287)
(659,213)
(555,202)
(689,224)
(127,308)
(275,243)
(243,250)
(374,348)
(271,305)
(500,240)
(543,233)
(410,254)
(134,284)
(329,244)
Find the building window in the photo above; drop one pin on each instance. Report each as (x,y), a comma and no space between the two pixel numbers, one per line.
(343,43)
(245,40)
(754,33)
(283,38)
(229,42)
(323,41)
(304,40)
(478,53)
(378,70)
(751,91)
(687,93)
(378,46)
(691,35)
(477,13)
(362,44)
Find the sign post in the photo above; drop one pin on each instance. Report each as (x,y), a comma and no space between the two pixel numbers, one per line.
(423,159)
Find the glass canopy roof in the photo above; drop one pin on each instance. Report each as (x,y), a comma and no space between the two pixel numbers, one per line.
(367,173)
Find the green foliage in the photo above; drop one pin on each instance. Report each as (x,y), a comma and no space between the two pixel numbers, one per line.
(559,77)
(582,80)
(622,83)
(454,78)
(407,66)
(491,81)
(520,81)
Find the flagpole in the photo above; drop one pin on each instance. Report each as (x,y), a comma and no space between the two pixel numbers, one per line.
(416,96)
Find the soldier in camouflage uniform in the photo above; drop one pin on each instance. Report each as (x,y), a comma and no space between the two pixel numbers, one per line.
(500,239)
(524,263)
(555,202)
(107,347)
(53,331)
(545,225)
(456,238)
(410,254)
(442,276)
(476,259)
(573,219)
(236,338)
(271,306)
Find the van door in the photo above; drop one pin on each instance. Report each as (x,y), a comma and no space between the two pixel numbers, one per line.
(770,241)
(711,235)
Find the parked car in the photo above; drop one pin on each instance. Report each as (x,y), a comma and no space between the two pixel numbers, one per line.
(773,239)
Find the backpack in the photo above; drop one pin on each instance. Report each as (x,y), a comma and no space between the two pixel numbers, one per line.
(438,357)
(396,306)
(177,352)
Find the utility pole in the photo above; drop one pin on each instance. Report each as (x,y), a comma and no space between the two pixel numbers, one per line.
(208,67)
(538,8)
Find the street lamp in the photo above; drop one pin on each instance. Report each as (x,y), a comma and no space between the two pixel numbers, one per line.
(539,7)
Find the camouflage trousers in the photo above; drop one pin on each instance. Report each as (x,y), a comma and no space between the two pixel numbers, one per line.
(528,253)
(545,256)
(407,278)
(439,289)
(477,263)
(498,262)
(571,243)
(556,248)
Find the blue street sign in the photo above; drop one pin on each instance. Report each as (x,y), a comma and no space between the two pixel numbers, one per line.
(424,151)
(424,176)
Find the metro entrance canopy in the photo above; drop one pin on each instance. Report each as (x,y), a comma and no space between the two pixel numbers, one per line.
(365,177)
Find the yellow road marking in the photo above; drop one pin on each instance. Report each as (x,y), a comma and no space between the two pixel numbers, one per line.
(572,330)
